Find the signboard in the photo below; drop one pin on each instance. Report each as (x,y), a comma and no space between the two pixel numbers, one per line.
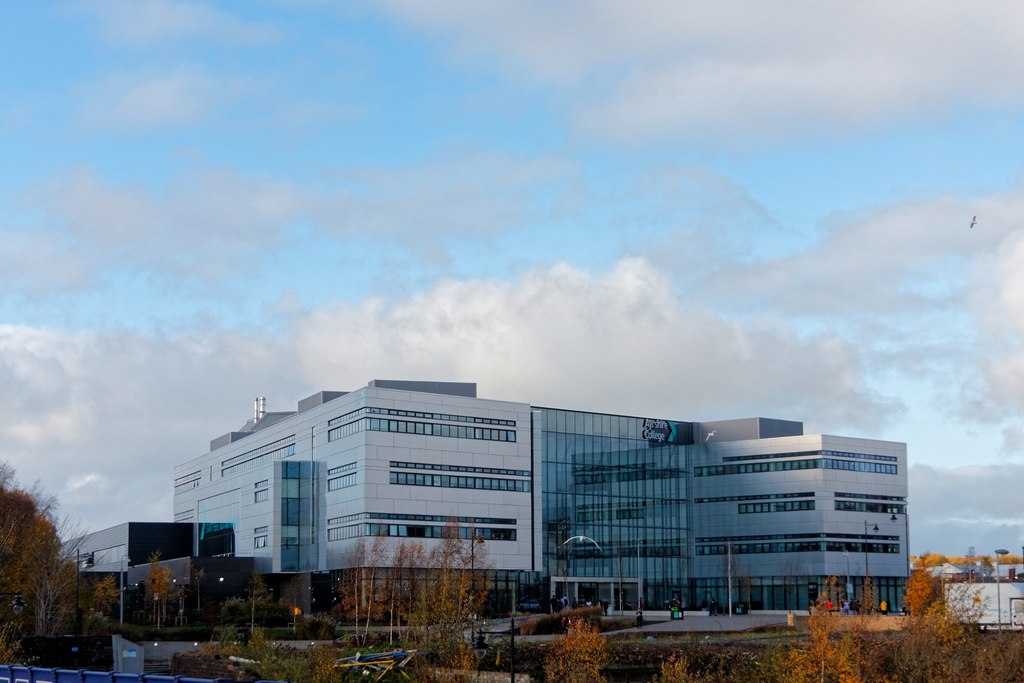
(662,431)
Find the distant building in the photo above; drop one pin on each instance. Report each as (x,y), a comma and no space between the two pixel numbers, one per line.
(669,510)
(673,508)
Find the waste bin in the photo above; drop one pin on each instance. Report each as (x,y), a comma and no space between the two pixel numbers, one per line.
(677,613)
(740,607)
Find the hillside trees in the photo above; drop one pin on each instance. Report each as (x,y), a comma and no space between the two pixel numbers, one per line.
(33,561)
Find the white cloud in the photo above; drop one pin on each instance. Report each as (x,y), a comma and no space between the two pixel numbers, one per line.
(654,68)
(118,410)
(205,224)
(212,223)
(566,337)
(185,96)
(471,195)
(976,505)
(145,23)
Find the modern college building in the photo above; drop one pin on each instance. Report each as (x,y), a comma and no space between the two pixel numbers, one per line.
(668,510)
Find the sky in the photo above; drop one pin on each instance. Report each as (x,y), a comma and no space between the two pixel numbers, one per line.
(691,211)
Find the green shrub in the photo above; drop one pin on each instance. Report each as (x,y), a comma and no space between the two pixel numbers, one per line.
(239,612)
(315,627)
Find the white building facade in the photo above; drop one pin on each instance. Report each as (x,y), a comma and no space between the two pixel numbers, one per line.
(749,509)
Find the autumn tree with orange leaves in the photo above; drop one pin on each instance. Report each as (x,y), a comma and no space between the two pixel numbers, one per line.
(579,657)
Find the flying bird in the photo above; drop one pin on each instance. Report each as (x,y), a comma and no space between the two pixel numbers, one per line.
(582,538)
(710,434)
(974,221)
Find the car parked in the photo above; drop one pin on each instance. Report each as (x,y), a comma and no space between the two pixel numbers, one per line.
(529,605)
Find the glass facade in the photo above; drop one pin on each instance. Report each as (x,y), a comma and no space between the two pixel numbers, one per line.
(623,487)
(297,528)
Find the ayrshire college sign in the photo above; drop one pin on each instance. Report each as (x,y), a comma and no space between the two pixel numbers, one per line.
(661,431)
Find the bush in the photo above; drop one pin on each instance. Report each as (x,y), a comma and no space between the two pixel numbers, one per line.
(241,612)
(552,623)
(315,627)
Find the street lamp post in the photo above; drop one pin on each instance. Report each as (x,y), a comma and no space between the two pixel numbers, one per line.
(79,561)
(867,569)
(580,538)
(121,582)
(849,583)
(999,601)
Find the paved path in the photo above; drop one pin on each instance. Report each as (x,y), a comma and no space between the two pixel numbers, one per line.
(661,623)
(699,622)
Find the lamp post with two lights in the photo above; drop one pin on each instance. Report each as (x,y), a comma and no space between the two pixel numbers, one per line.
(121,583)
(999,602)
(582,539)
(80,561)
(17,604)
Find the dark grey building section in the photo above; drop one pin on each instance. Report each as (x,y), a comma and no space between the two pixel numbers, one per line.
(463,389)
(318,399)
(135,542)
(170,539)
(745,429)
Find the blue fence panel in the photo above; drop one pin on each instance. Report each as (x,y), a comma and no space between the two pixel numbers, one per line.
(35,674)
(42,674)
(95,677)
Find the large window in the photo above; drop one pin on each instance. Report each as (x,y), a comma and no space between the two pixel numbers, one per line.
(456,482)
(789,465)
(455,431)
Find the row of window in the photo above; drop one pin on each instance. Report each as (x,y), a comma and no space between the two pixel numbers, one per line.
(589,474)
(186,478)
(459,468)
(416,531)
(872,467)
(597,516)
(421,415)
(257,460)
(838,454)
(789,465)
(187,485)
(265,448)
(760,496)
(608,511)
(860,506)
(867,496)
(454,482)
(432,429)
(780,506)
(342,482)
(439,416)
(343,468)
(418,518)
(346,430)
(375,424)
(791,547)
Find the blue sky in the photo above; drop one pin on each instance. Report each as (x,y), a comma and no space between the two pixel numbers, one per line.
(655,208)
